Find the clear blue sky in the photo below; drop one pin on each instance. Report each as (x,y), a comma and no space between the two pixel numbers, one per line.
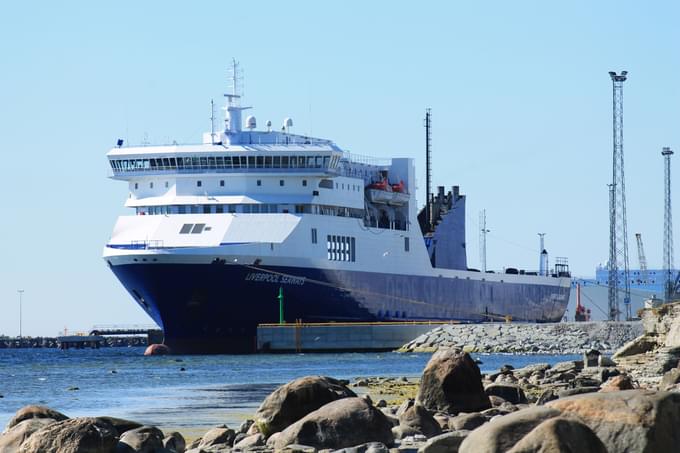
(520,96)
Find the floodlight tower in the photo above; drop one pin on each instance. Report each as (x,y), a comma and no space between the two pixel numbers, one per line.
(428,169)
(667,228)
(618,230)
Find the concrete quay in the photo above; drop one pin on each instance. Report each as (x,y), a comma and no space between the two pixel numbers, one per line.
(336,337)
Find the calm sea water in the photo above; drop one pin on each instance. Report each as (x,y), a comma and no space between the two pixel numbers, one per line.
(187,393)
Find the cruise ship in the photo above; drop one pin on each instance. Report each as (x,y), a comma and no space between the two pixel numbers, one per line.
(219,229)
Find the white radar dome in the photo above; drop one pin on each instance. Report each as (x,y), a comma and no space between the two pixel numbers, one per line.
(288,122)
(251,122)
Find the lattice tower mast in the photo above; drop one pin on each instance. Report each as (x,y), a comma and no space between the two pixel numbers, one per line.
(612,278)
(667,228)
(618,208)
(641,257)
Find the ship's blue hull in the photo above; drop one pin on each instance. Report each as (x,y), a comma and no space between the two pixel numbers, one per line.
(210,308)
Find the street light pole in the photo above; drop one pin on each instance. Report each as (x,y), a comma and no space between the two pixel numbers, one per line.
(21,293)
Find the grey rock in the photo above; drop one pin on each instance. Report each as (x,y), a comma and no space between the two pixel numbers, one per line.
(218,436)
(371,447)
(298,448)
(175,442)
(452,383)
(294,400)
(34,411)
(604,361)
(245,426)
(444,443)
(467,422)
(509,392)
(120,424)
(342,423)
(503,433)
(590,358)
(577,391)
(547,395)
(256,440)
(419,419)
(403,407)
(669,379)
(77,435)
(559,435)
(145,439)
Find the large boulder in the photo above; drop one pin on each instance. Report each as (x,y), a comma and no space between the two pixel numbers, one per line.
(340,424)
(292,401)
(629,420)
(11,440)
(502,433)
(33,411)
(452,383)
(559,435)
(76,435)
(145,439)
(417,420)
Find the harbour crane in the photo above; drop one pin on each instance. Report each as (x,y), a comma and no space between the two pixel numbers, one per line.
(641,257)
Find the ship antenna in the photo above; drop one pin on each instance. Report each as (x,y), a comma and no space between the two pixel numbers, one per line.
(233,109)
(212,121)
(428,168)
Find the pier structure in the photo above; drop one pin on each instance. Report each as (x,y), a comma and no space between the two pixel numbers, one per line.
(338,336)
(618,229)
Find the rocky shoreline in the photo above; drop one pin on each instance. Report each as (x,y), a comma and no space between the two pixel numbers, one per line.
(629,402)
(528,338)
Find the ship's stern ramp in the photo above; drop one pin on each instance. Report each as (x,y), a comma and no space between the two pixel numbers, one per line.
(199,230)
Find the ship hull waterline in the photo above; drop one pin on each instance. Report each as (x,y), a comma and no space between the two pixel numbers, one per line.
(215,308)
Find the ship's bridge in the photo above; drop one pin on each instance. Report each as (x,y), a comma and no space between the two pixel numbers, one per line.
(301,155)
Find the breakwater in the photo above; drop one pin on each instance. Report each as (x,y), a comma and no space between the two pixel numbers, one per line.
(528,338)
(55,342)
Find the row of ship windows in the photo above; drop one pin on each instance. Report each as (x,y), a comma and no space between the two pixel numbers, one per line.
(261,208)
(340,248)
(223,162)
(282,182)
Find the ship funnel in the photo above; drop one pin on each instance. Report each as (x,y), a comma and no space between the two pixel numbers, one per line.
(543,258)
(543,270)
